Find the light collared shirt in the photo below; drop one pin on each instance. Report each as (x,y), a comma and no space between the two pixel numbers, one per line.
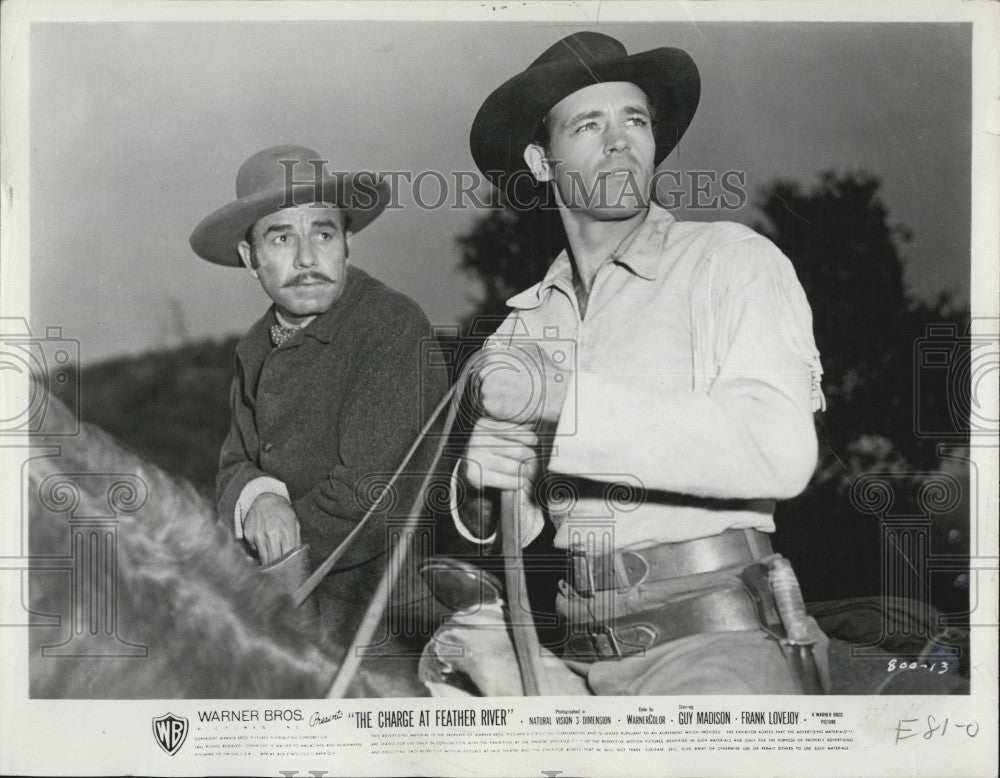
(693,383)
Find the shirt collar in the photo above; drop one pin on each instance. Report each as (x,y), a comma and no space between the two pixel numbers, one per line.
(560,273)
(643,250)
(641,254)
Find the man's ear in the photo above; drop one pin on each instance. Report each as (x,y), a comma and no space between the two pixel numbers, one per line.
(537,160)
(246,256)
(347,245)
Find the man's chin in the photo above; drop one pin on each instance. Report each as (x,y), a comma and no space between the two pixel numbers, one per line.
(303,310)
(618,213)
(309,300)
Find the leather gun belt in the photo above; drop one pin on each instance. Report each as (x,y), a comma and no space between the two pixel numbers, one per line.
(597,573)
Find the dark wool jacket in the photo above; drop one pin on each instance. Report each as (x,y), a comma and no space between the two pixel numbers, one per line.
(336,405)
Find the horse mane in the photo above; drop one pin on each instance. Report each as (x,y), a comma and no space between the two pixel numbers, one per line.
(213,627)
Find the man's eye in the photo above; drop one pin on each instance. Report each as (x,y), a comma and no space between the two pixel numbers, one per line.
(637,121)
(279,239)
(586,126)
(325,236)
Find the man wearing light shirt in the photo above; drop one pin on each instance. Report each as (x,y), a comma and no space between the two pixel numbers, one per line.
(328,387)
(652,396)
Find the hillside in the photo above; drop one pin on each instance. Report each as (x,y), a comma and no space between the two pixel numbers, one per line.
(170,407)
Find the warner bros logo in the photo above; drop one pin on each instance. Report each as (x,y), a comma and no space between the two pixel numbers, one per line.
(170,732)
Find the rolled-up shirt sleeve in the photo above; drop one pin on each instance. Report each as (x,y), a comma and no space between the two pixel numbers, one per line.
(746,429)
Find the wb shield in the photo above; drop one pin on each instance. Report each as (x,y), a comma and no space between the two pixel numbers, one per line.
(170,732)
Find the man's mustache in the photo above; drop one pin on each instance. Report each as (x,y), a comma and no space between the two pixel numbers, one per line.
(307,278)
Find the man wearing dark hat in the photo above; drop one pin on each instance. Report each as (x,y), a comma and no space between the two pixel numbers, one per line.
(651,396)
(328,386)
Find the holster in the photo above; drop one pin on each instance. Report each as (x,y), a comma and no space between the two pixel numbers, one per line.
(735,599)
(774,589)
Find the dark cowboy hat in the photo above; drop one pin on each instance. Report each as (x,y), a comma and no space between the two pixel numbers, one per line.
(510,117)
(277,178)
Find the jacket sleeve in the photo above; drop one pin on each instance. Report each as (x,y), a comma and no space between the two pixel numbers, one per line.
(748,430)
(390,397)
(238,456)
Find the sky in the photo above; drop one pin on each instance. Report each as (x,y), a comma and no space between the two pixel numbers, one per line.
(137,130)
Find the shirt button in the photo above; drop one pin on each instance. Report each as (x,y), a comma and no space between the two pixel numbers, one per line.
(267,447)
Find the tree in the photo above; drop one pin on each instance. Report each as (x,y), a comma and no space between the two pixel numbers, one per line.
(506,252)
(850,259)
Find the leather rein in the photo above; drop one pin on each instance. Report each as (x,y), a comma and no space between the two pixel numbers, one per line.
(526,643)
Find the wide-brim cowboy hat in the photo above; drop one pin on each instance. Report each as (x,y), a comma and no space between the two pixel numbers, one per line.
(277,178)
(509,119)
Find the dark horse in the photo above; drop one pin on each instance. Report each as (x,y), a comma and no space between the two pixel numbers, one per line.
(136,591)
